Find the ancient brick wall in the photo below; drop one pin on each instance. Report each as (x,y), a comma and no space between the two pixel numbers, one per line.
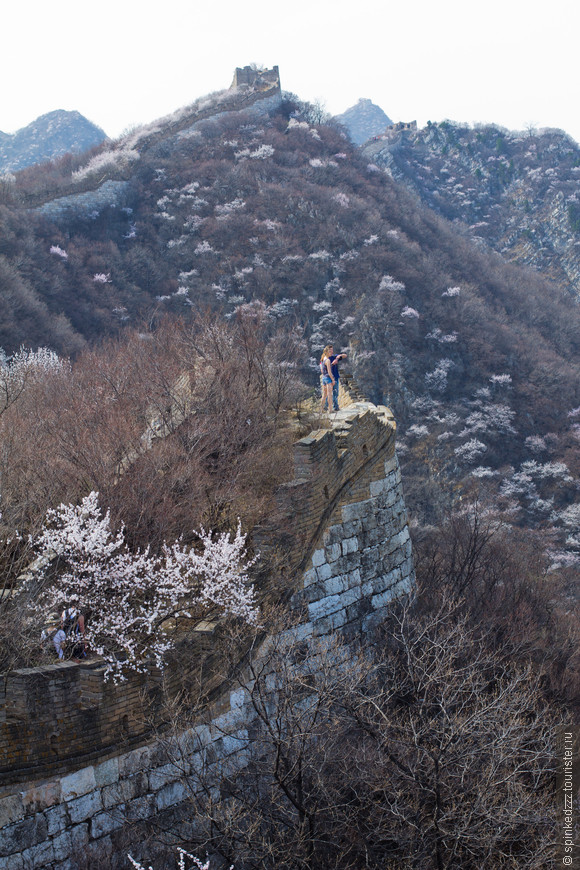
(348,554)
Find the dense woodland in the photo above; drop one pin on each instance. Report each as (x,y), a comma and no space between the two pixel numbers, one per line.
(243,245)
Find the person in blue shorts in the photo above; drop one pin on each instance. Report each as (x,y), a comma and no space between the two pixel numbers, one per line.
(334,358)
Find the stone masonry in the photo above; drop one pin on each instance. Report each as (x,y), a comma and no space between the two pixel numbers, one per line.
(348,557)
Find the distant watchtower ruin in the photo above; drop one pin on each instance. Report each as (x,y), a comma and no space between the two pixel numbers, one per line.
(259,79)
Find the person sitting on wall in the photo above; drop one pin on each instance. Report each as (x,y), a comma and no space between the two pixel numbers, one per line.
(334,358)
(54,633)
(69,638)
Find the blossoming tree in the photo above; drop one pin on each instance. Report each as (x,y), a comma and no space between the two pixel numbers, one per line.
(128,596)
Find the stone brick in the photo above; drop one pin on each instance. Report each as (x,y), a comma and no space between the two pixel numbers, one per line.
(99,852)
(62,846)
(134,786)
(76,784)
(377,487)
(161,776)
(107,772)
(238,698)
(172,794)
(11,809)
(140,808)
(23,835)
(324,572)
(333,535)
(350,545)
(56,819)
(111,795)
(38,856)
(333,552)
(12,862)
(84,807)
(104,823)
(321,608)
(352,528)
(318,558)
(79,837)
(336,585)
(134,762)
(40,797)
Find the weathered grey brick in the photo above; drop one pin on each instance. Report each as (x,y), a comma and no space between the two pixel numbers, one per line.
(333,552)
(134,762)
(78,783)
(23,835)
(56,819)
(84,807)
(104,823)
(107,772)
(324,572)
(318,558)
(172,794)
(11,809)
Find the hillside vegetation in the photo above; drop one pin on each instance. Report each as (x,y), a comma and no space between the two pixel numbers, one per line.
(215,210)
(519,193)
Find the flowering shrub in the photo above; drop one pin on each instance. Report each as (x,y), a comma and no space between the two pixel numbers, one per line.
(470,450)
(181,865)
(59,252)
(437,379)
(129,595)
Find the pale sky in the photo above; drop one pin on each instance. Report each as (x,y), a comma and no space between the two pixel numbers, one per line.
(126,62)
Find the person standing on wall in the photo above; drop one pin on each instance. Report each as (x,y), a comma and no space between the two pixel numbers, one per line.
(334,358)
(327,379)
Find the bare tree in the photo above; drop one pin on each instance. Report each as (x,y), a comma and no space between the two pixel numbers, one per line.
(419,749)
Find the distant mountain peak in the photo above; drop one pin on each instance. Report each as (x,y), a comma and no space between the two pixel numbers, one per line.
(49,136)
(364,120)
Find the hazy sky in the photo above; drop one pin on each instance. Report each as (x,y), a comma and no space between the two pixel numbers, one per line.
(123,62)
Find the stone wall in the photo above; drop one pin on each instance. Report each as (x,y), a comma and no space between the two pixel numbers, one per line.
(85,205)
(348,554)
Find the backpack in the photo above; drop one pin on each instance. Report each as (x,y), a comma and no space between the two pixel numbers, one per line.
(70,620)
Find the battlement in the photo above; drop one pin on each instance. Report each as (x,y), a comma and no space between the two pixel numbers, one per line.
(258,79)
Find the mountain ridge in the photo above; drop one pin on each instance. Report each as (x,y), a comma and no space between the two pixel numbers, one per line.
(48,137)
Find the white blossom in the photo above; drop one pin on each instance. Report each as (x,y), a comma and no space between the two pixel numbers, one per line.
(204,248)
(418,431)
(130,595)
(59,252)
(342,199)
(470,450)
(389,283)
(501,380)
(102,278)
(437,379)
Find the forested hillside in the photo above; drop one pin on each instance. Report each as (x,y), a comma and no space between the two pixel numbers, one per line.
(477,358)
(518,192)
